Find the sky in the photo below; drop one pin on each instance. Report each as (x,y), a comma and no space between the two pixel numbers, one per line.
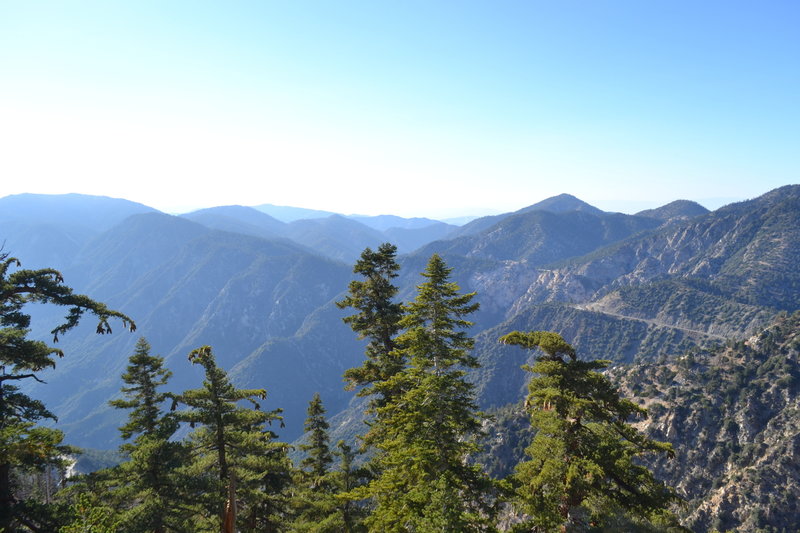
(415,108)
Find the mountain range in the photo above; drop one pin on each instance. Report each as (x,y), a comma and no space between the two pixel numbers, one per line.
(629,288)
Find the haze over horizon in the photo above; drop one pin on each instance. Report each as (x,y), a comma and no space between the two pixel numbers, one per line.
(421,109)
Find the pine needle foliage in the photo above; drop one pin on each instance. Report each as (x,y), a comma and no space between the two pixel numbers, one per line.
(425,434)
(24,445)
(377,319)
(582,469)
(149,486)
(318,503)
(244,467)
(317,447)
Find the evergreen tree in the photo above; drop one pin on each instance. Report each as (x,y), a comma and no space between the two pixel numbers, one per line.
(148,486)
(23,445)
(377,319)
(90,516)
(320,501)
(233,445)
(314,502)
(582,466)
(425,434)
(347,478)
(318,453)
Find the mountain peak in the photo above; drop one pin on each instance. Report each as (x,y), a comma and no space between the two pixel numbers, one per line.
(677,209)
(562,203)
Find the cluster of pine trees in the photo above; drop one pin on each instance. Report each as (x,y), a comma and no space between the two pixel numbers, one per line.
(208,459)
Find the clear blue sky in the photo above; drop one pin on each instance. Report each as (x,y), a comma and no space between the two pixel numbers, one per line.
(433,108)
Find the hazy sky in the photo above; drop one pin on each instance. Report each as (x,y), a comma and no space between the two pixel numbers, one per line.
(430,107)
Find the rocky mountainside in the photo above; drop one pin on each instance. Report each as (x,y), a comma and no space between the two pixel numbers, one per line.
(733,416)
(679,209)
(742,252)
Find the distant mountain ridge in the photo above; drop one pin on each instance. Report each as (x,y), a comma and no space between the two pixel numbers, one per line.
(335,236)
(683,209)
(261,291)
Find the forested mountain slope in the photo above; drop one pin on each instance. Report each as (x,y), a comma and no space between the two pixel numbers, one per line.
(693,282)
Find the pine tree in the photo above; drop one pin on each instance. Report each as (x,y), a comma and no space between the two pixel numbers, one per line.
(90,516)
(233,444)
(425,434)
(22,443)
(148,486)
(315,503)
(377,319)
(318,453)
(346,479)
(582,467)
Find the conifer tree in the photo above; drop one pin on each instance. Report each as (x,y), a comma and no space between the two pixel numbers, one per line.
(426,432)
(348,478)
(148,486)
(233,445)
(582,465)
(318,453)
(315,504)
(377,319)
(89,516)
(22,443)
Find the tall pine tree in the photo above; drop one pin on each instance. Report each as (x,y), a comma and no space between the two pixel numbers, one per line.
(148,486)
(317,449)
(426,432)
(318,502)
(582,467)
(236,453)
(377,319)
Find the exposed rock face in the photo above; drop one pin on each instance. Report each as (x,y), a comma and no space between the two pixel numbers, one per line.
(733,417)
(735,249)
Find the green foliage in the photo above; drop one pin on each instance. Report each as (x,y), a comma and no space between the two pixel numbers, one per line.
(242,468)
(377,319)
(145,373)
(320,502)
(90,516)
(23,445)
(583,457)
(149,487)
(318,454)
(425,434)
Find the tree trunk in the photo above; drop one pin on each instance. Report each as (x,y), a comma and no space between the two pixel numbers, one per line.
(6,497)
(229,523)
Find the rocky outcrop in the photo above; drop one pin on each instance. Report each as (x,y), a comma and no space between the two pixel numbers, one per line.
(733,416)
